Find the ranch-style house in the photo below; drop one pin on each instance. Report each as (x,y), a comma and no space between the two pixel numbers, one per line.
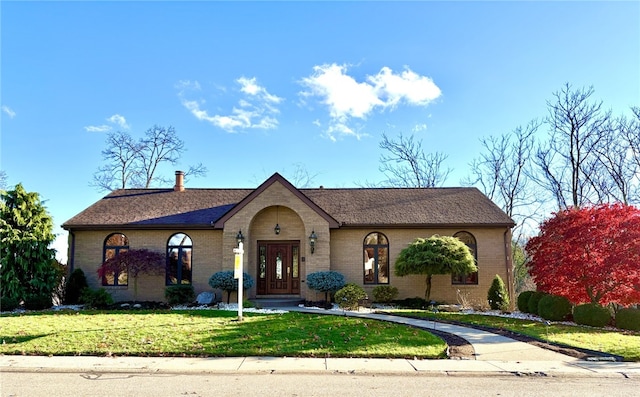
(289,233)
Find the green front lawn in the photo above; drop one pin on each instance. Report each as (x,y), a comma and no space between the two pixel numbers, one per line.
(625,344)
(211,333)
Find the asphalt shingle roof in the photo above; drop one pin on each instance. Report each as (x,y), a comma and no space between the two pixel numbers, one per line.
(196,208)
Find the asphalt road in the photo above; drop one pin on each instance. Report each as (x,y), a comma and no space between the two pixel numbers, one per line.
(332,384)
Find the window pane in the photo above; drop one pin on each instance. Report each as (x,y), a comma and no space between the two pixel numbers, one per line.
(117,239)
(371,239)
(263,262)
(109,253)
(180,239)
(369,263)
(123,278)
(186,266)
(172,266)
(278,267)
(383,266)
(295,262)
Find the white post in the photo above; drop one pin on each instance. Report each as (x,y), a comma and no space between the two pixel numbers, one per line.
(238,274)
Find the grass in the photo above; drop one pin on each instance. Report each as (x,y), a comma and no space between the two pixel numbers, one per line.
(625,344)
(205,333)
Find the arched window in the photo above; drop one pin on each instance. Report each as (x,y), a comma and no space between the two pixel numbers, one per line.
(114,244)
(376,259)
(179,249)
(470,241)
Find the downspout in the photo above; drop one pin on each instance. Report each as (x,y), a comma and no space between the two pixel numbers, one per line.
(509,267)
(72,252)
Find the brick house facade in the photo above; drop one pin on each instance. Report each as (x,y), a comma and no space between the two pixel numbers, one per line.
(358,232)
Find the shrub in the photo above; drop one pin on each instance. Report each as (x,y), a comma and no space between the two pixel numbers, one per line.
(591,314)
(348,297)
(225,281)
(96,298)
(413,303)
(523,301)
(498,296)
(38,302)
(180,294)
(326,282)
(628,319)
(75,284)
(8,304)
(554,308)
(534,299)
(384,293)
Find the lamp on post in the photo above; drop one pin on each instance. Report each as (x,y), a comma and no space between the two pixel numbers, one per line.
(312,240)
(239,237)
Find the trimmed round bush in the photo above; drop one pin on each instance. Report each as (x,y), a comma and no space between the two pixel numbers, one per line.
(75,284)
(38,302)
(554,308)
(385,293)
(628,319)
(534,299)
(349,296)
(180,294)
(498,296)
(225,281)
(326,282)
(414,303)
(8,304)
(591,314)
(96,298)
(523,301)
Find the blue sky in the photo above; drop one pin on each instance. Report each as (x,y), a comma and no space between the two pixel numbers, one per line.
(256,88)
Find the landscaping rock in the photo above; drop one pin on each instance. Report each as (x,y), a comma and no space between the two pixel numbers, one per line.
(205,298)
(449,308)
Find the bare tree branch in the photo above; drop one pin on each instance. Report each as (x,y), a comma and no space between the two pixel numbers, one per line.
(407,165)
(135,164)
(567,160)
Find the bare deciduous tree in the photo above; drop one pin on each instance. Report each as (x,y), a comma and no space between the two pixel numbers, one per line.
(569,159)
(502,172)
(407,165)
(131,163)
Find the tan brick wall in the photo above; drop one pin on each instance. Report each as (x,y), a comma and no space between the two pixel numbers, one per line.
(347,258)
(206,259)
(336,249)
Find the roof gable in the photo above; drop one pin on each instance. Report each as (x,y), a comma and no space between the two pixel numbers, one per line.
(265,185)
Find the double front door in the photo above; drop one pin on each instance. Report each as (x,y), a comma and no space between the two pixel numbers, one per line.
(278,268)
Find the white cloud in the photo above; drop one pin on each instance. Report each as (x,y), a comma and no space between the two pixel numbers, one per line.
(98,128)
(119,120)
(408,86)
(116,119)
(419,127)
(8,111)
(256,109)
(346,98)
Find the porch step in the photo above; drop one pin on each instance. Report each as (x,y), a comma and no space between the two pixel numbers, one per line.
(277,301)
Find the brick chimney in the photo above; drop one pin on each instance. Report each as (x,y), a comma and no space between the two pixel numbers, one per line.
(179,187)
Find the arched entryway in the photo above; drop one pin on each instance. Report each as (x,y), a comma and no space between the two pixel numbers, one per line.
(277,233)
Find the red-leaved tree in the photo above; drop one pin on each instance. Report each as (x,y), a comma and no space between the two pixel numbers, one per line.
(590,254)
(134,262)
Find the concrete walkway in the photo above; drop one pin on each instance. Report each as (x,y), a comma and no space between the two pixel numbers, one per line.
(495,355)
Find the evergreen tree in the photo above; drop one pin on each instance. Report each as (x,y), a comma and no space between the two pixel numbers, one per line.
(26,232)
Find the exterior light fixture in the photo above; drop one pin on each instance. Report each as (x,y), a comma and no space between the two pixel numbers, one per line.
(277,229)
(239,237)
(312,241)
